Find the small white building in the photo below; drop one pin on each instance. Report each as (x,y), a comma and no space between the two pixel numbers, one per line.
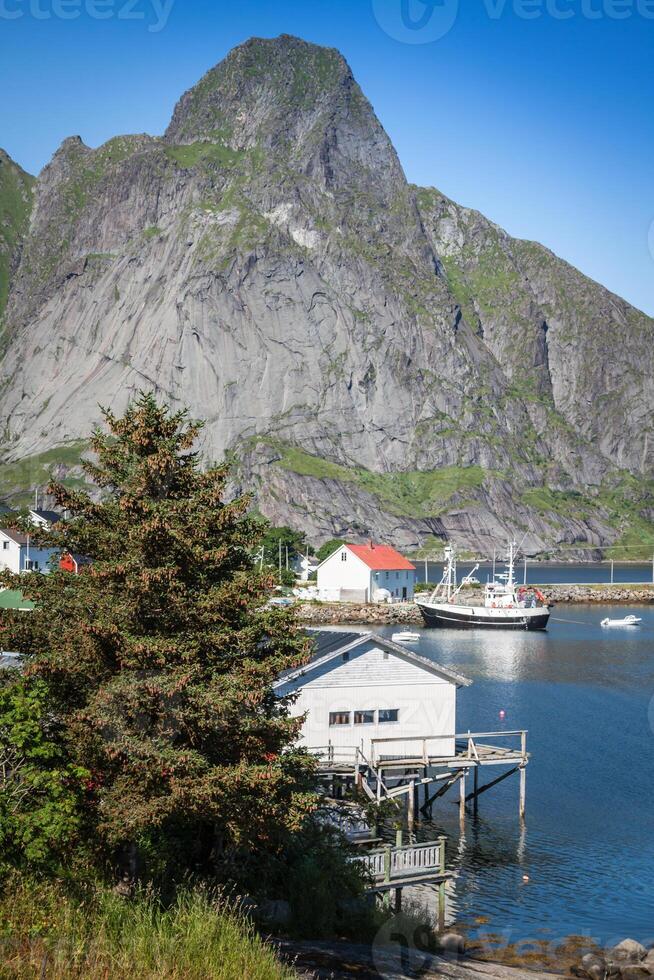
(360,687)
(44,518)
(366,573)
(19,554)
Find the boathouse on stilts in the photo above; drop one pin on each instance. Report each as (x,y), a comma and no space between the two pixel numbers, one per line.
(382,718)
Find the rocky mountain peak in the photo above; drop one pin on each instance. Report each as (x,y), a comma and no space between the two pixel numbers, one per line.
(383,362)
(296,101)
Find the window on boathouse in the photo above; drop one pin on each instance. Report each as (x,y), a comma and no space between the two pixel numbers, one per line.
(339,718)
(364,717)
(388,714)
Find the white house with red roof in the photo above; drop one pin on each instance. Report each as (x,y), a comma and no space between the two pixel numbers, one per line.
(366,573)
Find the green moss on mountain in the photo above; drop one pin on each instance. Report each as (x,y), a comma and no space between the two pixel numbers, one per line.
(199,154)
(18,479)
(411,494)
(15,205)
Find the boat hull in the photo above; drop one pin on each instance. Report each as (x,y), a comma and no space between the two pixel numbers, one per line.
(471,617)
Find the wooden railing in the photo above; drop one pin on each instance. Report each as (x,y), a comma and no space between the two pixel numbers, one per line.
(467,746)
(389,864)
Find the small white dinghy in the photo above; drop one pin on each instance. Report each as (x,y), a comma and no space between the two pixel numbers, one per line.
(627,621)
(406,636)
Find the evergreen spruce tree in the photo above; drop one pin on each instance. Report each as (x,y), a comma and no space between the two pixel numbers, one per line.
(158,658)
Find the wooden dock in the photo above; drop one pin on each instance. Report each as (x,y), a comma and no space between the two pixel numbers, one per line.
(392,770)
(393,868)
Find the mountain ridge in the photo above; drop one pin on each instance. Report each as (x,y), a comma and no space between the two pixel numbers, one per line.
(266,262)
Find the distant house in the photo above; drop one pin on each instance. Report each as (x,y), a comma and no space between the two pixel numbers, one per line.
(44,518)
(366,573)
(19,554)
(359,687)
(73,563)
(304,566)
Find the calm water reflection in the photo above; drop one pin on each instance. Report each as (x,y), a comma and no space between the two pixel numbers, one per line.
(585,695)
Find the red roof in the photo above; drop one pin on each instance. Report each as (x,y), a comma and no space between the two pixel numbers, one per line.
(381,556)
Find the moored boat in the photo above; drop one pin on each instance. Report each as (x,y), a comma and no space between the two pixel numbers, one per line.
(405,636)
(627,621)
(505,605)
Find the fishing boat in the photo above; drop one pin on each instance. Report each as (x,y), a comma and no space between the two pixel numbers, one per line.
(406,636)
(627,621)
(505,605)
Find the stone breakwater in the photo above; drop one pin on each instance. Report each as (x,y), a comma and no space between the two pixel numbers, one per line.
(406,613)
(606,594)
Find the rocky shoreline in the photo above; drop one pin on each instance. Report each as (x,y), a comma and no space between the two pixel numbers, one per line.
(404,613)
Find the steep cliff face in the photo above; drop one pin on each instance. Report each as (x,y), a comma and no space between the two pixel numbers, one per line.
(382,360)
(15,205)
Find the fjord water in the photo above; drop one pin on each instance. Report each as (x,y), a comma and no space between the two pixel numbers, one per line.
(585,693)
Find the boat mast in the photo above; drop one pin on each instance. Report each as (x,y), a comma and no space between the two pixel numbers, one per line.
(510,581)
(450,570)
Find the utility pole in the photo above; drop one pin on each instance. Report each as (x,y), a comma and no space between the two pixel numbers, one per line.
(286,557)
(280,561)
(611,571)
(427,572)
(493,564)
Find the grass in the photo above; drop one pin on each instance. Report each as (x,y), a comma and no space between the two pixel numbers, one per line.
(415,493)
(16,479)
(46,933)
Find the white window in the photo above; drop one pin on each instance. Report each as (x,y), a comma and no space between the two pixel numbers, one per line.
(5,546)
(343,555)
(339,718)
(364,717)
(31,566)
(387,715)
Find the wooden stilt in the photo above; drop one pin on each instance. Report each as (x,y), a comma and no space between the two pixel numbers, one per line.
(462,798)
(475,787)
(397,904)
(441,888)
(494,782)
(440,792)
(411,806)
(523,792)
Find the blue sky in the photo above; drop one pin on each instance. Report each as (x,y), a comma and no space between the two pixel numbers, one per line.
(536,112)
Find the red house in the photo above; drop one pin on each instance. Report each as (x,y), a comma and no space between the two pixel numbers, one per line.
(73,563)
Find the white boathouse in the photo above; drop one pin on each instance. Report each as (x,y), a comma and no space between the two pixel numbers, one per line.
(360,687)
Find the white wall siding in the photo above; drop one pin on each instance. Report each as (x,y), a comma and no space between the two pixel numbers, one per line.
(368,680)
(9,555)
(338,577)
